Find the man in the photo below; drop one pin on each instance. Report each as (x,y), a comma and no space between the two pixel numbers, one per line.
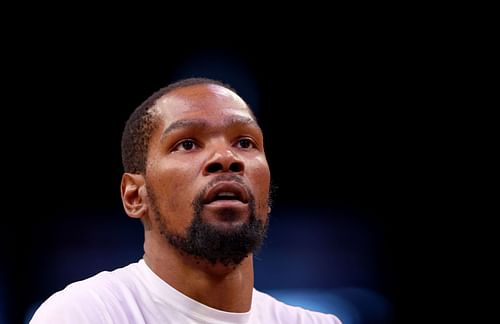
(197,176)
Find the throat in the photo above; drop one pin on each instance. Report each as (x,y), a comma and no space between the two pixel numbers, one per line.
(224,287)
(230,293)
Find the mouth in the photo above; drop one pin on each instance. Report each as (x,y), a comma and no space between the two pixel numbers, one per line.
(226,193)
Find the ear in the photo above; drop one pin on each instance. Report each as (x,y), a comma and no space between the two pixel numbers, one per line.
(134,195)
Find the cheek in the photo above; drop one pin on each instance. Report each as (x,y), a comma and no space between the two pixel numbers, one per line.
(174,192)
(261,181)
(175,180)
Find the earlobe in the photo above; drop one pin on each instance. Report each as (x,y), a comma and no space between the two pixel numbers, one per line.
(133,192)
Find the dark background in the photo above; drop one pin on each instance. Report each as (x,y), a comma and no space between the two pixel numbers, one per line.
(347,118)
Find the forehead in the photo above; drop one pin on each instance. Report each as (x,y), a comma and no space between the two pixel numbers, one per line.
(203,101)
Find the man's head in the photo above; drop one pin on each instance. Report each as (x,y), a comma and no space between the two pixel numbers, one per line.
(196,172)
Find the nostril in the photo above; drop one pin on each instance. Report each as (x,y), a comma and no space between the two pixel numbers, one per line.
(214,167)
(236,167)
(217,167)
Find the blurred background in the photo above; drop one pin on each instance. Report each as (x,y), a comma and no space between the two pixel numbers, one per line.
(336,136)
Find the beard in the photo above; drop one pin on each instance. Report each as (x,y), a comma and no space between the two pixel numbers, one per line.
(215,244)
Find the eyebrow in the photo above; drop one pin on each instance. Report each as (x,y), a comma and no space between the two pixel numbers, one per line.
(202,123)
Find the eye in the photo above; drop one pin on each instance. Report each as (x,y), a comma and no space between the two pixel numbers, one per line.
(185,145)
(245,143)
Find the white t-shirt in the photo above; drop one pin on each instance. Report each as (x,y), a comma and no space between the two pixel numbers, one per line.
(136,295)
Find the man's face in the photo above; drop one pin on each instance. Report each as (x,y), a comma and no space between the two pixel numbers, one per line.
(207,175)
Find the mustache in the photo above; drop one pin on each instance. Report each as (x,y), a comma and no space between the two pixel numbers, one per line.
(198,201)
(225,177)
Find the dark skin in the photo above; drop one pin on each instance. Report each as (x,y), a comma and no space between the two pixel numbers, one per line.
(204,131)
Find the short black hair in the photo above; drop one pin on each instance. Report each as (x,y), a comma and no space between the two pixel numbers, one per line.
(141,124)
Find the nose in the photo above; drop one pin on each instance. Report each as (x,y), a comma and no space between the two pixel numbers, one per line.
(224,160)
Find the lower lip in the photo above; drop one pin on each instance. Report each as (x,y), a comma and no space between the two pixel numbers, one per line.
(226,204)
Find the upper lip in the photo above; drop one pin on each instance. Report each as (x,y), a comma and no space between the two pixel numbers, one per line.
(239,191)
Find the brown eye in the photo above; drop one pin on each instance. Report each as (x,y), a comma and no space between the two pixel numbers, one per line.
(245,143)
(186,145)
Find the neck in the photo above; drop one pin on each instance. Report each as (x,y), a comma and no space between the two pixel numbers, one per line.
(224,287)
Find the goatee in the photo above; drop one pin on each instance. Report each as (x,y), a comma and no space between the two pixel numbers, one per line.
(225,245)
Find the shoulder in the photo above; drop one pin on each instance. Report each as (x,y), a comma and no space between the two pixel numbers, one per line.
(276,311)
(89,300)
